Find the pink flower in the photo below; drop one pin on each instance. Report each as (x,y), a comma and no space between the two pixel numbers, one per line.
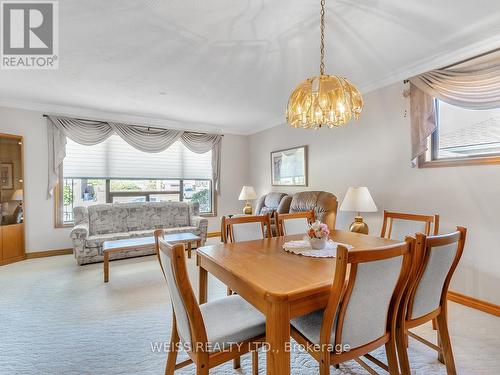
(318,230)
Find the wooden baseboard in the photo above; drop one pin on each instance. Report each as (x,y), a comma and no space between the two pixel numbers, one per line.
(49,253)
(12,260)
(474,303)
(213,234)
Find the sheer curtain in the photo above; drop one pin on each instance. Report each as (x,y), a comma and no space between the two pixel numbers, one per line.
(473,84)
(88,133)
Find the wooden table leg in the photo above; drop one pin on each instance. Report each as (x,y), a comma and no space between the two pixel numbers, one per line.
(198,245)
(106,266)
(203,285)
(189,249)
(278,338)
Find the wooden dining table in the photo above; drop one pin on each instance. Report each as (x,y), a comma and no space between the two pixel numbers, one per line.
(279,284)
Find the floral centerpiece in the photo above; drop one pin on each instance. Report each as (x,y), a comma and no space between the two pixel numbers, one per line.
(318,235)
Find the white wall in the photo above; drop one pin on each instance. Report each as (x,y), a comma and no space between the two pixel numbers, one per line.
(41,235)
(375,152)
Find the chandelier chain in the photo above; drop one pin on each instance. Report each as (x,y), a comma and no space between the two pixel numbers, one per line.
(322,42)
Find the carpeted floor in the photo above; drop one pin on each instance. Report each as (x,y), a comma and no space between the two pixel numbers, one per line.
(60,318)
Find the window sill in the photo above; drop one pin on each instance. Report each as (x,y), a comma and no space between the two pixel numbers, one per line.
(489,160)
(67,225)
(211,214)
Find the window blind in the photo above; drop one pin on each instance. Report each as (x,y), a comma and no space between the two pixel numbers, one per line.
(115,158)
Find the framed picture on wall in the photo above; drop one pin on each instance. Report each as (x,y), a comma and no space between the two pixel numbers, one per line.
(6,176)
(289,167)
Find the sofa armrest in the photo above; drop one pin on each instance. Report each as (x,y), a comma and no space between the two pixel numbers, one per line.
(202,224)
(284,206)
(80,232)
(260,204)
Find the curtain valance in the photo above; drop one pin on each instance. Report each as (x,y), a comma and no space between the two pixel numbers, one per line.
(474,84)
(146,139)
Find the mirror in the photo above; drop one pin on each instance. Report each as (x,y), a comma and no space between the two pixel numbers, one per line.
(11,180)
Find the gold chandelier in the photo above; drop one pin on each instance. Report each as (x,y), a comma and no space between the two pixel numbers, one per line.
(323,100)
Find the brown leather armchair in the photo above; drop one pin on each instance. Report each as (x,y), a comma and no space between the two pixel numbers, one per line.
(323,203)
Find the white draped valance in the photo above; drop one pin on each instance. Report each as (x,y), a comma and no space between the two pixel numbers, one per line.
(146,139)
(474,84)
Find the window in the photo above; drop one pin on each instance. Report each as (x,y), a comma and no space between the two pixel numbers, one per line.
(463,137)
(113,171)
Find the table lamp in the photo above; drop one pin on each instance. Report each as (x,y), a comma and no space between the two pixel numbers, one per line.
(18,211)
(358,199)
(17,196)
(247,194)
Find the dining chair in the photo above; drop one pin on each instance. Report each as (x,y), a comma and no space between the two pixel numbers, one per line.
(245,228)
(398,225)
(211,333)
(361,311)
(425,298)
(294,223)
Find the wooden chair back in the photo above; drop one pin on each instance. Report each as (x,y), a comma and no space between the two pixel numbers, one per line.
(436,259)
(187,315)
(427,222)
(245,228)
(294,223)
(366,315)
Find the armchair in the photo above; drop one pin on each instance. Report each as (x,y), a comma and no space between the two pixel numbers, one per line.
(323,203)
(273,202)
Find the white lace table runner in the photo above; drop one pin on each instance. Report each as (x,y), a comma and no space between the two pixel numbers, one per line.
(303,247)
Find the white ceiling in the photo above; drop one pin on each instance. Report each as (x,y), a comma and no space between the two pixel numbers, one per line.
(227,65)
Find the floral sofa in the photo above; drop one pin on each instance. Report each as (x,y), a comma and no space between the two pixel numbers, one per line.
(115,221)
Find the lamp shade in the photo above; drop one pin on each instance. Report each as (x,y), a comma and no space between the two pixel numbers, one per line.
(247,193)
(17,196)
(358,199)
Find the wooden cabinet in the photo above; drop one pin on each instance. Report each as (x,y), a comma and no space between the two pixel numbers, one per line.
(11,199)
(11,243)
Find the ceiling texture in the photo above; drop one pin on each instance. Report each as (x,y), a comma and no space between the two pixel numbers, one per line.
(227,65)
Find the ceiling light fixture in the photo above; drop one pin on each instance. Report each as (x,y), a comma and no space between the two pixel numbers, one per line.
(323,100)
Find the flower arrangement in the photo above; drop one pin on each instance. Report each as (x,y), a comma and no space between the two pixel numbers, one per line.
(318,230)
(318,235)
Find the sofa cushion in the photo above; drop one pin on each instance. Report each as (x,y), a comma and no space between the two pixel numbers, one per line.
(142,233)
(101,219)
(137,217)
(267,211)
(150,232)
(188,229)
(98,239)
(272,200)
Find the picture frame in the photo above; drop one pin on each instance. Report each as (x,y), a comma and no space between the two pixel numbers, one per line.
(289,167)
(6,176)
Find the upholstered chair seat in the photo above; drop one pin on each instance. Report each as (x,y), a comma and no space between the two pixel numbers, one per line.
(310,325)
(230,320)
(211,333)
